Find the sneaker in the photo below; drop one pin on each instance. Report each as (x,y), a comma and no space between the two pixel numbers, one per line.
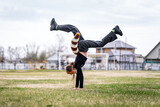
(53,24)
(117,30)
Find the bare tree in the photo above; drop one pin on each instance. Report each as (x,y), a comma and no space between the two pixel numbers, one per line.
(1,54)
(51,51)
(14,55)
(31,52)
(43,56)
(61,47)
(10,52)
(17,52)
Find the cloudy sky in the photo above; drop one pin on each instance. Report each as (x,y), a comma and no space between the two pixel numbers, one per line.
(27,21)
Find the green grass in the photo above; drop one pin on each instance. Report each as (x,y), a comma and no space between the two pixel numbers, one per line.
(142,90)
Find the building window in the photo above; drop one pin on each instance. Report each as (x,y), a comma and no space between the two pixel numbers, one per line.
(101,50)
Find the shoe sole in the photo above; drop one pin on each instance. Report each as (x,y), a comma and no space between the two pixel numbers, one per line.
(119,30)
(52,21)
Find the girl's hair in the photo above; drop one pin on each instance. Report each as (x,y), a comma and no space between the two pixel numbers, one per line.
(69,69)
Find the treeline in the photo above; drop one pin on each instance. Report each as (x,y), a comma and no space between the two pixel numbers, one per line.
(31,52)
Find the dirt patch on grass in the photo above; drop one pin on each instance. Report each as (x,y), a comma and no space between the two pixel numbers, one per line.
(123,74)
(101,82)
(2,83)
(42,85)
(31,77)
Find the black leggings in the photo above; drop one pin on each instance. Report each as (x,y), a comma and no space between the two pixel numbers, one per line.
(79,77)
(70,28)
(84,45)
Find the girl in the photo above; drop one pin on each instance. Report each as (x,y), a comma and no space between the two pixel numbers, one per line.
(81,46)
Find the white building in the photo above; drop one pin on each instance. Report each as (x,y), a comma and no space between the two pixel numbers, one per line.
(152,59)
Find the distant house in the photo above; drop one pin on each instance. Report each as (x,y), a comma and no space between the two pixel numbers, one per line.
(152,59)
(121,55)
(118,45)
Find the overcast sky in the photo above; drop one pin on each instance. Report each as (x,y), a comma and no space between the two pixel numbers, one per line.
(28,21)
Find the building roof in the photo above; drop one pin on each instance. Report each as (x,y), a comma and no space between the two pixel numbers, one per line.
(119,44)
(152,50)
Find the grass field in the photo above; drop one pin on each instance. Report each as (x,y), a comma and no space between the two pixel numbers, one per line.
(101,89)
